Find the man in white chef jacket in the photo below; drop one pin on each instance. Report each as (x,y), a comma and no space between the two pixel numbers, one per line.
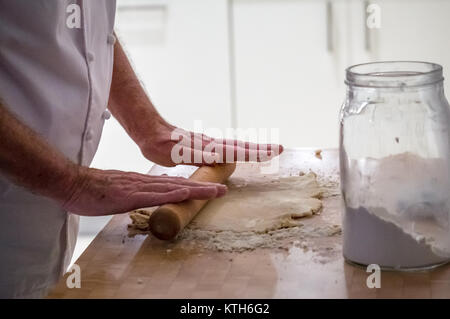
(60,68)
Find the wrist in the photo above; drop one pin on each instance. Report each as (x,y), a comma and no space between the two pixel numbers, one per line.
(150,130)
(72,183)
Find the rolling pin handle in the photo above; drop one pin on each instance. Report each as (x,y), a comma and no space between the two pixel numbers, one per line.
(165,224)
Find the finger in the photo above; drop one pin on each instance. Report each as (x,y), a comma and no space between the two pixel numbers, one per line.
(203,192)
(204,140)
(209,190)
(194,185)
(216,150)
(278,149)
(241,154)
(198,157)
(146,199)
(234,150)
(226,153)
(160,179)
(159,187)
(247,145)
(189,182)
(165,183)
(222,190)
(219,143)
(195,140)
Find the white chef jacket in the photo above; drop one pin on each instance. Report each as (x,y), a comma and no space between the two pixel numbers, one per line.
(55,75)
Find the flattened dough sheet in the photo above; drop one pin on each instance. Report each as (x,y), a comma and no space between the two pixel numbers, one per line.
(258,205)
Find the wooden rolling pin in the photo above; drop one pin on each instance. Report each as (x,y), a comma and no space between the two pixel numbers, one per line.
(168,220)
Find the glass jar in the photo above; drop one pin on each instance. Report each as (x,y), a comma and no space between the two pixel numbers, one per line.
(394,161)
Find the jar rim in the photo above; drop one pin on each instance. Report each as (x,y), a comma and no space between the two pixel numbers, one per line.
(394,74)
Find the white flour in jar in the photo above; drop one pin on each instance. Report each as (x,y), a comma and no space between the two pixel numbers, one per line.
(397,212)
(369,239)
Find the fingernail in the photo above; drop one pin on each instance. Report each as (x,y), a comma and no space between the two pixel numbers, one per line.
(221,191)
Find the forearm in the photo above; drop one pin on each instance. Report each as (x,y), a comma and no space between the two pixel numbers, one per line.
(128,102)
(27,160)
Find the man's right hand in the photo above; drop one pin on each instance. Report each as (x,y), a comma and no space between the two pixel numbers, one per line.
(104,192)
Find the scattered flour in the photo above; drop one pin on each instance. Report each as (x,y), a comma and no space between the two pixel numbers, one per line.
(241,241)
(310,234)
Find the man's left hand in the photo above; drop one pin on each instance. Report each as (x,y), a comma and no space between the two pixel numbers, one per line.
(165,140)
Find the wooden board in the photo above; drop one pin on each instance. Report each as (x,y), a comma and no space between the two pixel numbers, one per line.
(117,266)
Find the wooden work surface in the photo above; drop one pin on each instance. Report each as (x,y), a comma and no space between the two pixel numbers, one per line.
(118,266)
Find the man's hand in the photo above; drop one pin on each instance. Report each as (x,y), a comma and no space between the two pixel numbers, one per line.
(104,192)
(162,141)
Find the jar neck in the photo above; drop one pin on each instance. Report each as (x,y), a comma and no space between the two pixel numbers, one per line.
(358,98)
(374,94)
(394,75)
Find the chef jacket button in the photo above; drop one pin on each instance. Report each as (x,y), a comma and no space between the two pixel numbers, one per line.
(106,115)
(90,56)
(89,135)
(111,39)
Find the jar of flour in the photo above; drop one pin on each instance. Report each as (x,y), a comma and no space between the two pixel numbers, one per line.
(395,170)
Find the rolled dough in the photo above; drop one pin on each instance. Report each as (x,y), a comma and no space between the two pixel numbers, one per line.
(258,205)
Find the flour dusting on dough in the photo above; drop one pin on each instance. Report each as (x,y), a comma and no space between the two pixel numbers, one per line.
(257,213)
